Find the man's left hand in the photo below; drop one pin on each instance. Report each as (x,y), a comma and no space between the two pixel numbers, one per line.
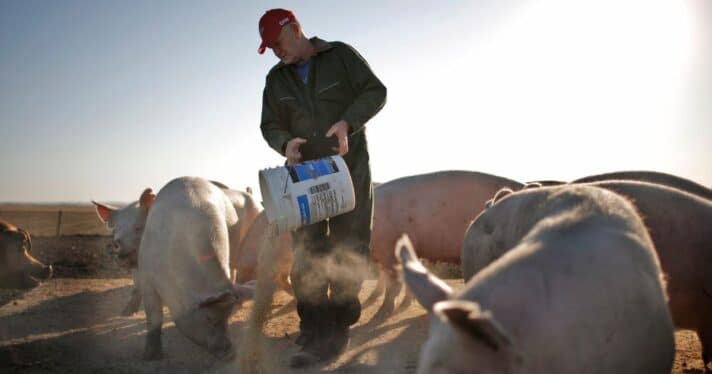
(341,130)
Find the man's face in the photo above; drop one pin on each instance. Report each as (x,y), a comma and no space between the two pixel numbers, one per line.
(286,46)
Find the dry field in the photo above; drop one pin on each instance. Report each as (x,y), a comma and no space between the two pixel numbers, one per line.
(71,325)
(54,219)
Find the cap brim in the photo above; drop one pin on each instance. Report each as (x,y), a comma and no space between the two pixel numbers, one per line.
(262,48)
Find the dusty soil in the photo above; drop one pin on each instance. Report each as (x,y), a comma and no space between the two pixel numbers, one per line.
(71,324)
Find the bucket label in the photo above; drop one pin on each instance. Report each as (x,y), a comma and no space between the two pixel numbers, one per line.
(324,204)
(312,169)
(304,210)
(318,205)
(319,188)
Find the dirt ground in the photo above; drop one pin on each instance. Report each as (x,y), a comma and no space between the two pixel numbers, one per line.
(71,324)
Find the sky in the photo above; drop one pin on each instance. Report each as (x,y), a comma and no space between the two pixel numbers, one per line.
(100,99)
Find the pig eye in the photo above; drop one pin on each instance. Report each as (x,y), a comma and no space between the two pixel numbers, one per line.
(138,228)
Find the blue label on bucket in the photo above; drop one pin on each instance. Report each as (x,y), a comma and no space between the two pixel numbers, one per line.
(312,169)
(304,210)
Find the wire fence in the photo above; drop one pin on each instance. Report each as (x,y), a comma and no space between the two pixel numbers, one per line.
(54,221)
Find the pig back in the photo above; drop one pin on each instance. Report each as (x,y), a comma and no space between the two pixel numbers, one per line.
(585,283)
(433,209)
(184,252)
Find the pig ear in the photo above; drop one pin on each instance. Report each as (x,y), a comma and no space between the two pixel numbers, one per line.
(531,185)
(427,288)
(248,190)
(147,198)
(466,316)
(220,185)
(221,298)
(27,238)
(501,194)
(103,211)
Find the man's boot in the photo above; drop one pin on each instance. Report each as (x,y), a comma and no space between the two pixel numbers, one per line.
(304,337)
(338,341)
(315,346)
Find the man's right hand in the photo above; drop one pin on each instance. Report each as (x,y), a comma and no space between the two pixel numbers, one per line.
(292,150)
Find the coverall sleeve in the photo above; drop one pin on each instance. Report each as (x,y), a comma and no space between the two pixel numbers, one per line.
(369,91)
(274,130)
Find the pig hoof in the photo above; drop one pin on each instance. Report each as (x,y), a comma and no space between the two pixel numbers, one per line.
(129,310)
(29,282)
(303,359)
(227,355)
(386,310)
(152,354)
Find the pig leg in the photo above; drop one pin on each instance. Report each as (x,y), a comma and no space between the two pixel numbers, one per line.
(133,304)
(377,290)
(135,299)
(282,281)
(393,288)
(380,284)
(28,281)
(407,300)
(705,335)
(154,321)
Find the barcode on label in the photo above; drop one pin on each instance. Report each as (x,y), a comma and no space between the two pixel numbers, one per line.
(323,205)
(319,188)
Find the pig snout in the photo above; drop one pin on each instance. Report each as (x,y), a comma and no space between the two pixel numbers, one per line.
(49,272)
(44,272)
(126,256)
(222,349)
(37,269)
(112,247)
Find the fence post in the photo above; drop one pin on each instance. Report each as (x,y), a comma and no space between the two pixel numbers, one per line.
(59,223)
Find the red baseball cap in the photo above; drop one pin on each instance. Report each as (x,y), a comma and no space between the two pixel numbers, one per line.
(271,25)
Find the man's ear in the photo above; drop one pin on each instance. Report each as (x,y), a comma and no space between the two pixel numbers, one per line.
(467,317)
(296,28)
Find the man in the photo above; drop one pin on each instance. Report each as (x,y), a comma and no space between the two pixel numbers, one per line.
(316,102)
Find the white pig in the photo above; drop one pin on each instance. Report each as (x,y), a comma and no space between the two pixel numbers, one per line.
(126,225)
(183,263)
(581,292)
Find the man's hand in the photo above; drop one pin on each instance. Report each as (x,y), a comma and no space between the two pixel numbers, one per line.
(341,130)
(292,150)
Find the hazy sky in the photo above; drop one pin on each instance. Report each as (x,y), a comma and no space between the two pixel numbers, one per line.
(99,99)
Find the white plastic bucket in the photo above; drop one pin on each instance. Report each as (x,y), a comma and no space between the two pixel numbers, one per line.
(306,193)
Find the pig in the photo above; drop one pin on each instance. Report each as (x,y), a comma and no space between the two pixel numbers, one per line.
(245,261)
(678,223)
(652,177)
(18,269)
(542,183)
(127,224)
(248,209)
(434,209)
(580,290)
(183,263)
